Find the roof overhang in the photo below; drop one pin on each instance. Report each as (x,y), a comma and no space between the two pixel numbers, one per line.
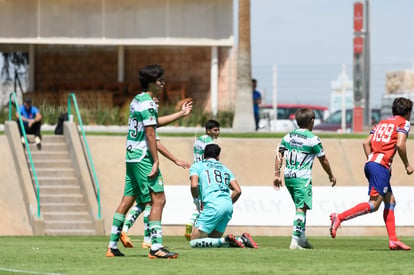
(120,42)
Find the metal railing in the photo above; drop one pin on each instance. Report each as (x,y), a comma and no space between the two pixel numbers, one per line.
(90,162)
(26,142)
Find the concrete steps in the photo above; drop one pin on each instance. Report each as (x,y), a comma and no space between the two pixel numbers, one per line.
(59,163)
(63,205)
(49,155)
(64,172)
(70,206)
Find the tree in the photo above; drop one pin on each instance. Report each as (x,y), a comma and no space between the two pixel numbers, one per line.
(243,115)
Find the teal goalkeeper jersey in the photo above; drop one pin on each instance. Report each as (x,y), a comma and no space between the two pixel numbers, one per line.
(200,145)
(142,112)
(213,179)
(300,147)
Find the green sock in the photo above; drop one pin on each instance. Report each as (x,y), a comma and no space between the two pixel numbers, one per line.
(147,235)
(156,234)
(117,223)
(208,242)
(298,224)
(131,218)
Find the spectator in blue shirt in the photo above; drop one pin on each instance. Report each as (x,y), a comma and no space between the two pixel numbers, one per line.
(32,120)
(257,100)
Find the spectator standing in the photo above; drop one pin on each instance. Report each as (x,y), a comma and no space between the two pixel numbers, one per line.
(257,100)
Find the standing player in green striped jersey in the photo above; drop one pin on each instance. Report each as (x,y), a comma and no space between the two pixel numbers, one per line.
(143,181)
(299,148)
(135,211)
(211,135)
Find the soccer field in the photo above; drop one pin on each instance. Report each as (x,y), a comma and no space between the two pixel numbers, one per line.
(86,255)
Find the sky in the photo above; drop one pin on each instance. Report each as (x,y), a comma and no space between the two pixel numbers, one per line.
(308,40)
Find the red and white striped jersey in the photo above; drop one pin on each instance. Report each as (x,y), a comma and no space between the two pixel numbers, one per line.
(384,139)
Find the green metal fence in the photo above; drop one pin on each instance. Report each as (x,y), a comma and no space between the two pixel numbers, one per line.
(90,162)
(26,142)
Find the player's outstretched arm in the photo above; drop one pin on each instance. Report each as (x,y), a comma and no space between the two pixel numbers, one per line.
(186,109)
(325,165)
(166,153)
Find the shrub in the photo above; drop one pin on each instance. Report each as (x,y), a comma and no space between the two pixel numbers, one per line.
(119,116)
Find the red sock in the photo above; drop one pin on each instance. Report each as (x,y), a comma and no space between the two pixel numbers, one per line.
(358,210)
(389,220)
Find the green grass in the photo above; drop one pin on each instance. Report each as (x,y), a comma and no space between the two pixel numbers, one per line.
(86,255)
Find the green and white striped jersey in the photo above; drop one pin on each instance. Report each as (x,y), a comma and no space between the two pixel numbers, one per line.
(199,146)
(300,147)
(142,112)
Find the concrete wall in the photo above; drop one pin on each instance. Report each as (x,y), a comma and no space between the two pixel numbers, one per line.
(14,217)
(251,160)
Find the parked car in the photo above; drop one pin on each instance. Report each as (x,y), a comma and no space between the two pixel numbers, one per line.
(334,122)
(286,116)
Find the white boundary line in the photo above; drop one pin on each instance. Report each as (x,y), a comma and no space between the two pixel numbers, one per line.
(26,271)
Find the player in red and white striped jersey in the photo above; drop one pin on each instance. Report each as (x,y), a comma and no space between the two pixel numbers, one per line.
(385,139)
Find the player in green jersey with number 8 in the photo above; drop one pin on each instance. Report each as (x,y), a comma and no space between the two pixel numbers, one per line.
(299,148)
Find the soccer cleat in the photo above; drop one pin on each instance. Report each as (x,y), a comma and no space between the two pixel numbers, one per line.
(188,231)
(294,244)
(233,241)
(335,223)
(248,241)
(146,245)
(113,252)
(125,240)
(162,253)
(303,242)
(397,245)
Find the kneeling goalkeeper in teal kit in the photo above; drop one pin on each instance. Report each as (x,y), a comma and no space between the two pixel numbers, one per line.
(211,183)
